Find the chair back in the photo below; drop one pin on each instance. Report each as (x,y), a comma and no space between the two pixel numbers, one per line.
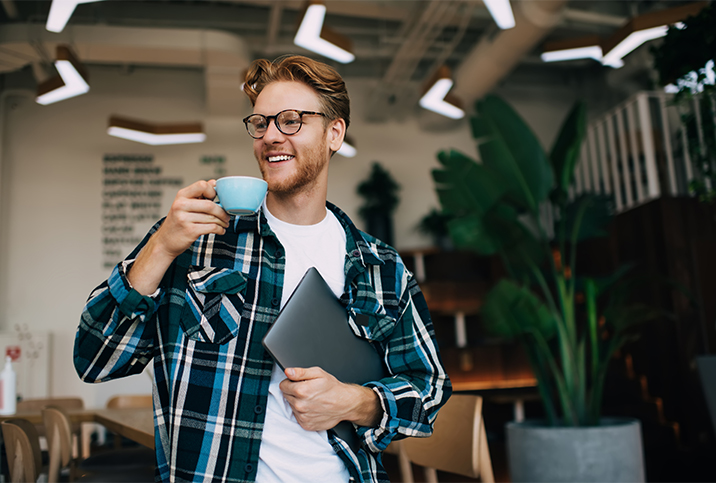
(59,440)
(22,447)
(458,443)
(36,405)
(30,405)
(707,373)
(130,401)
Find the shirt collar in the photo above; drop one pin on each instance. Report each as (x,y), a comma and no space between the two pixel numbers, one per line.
(358,248)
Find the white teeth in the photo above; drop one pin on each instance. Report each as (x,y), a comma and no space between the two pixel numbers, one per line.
(273,159)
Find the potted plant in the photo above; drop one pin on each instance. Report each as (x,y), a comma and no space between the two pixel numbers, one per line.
(380,192)
(684,61)
(435,225)
(495,208)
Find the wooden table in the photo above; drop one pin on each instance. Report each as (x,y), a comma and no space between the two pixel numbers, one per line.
(134,424)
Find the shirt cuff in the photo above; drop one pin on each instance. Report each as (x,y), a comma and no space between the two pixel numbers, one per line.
(377,439)
(131,303)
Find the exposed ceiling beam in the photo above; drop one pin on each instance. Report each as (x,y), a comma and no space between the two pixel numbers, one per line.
(364,8)
(493,58)
(274,24)
(10,8)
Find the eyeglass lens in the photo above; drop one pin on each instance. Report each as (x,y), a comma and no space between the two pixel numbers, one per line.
(288,122)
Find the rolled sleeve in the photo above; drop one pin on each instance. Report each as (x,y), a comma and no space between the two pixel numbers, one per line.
(410,398)
(131,303)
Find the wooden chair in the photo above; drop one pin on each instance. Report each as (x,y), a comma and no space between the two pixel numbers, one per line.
(133,467)
(121,401)
(59,442)
(68,403)
(130,401)
(707,373)
(22,447)
(458,444)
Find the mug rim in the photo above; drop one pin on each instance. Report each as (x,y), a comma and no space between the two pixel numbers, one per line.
(242,177)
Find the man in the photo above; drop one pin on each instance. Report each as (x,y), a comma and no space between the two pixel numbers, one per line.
(201,290)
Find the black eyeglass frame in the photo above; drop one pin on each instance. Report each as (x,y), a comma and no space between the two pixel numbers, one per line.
(275,121)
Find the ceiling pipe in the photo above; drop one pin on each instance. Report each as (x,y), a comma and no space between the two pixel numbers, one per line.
(493,58)
(223,56)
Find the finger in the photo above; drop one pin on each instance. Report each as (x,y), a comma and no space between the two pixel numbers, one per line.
(204,207)
(303,373)
(205,219)
(287,388)
(199,190)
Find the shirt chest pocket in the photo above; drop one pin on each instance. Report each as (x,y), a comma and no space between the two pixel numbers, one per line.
(213,302)
(371,325)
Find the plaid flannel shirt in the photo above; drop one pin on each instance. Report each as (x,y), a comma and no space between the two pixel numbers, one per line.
(203,328)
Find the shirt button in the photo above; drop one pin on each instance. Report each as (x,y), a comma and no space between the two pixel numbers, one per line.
(275,302)
(355,253)
(249,468)
(258,409)
(279,253)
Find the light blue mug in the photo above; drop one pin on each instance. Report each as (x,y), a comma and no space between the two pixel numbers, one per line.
(241,195)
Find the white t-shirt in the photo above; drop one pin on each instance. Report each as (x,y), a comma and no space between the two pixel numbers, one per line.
(289,453)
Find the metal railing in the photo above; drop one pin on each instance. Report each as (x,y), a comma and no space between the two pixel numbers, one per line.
(637,152)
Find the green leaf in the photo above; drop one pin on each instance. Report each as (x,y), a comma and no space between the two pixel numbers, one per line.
(565,151)
(511,310)
(592,212)
(624,318)
(604,284)
(517,242)
(470,232)
(480,128)
(464,187)
(513,151)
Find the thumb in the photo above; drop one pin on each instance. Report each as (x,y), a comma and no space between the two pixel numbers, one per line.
(295,373)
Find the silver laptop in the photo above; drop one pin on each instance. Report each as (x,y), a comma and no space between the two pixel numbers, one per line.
(312,330)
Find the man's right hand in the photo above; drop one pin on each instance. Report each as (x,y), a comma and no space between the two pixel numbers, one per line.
(193,214)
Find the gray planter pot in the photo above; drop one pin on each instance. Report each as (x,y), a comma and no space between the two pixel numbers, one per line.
(611,452)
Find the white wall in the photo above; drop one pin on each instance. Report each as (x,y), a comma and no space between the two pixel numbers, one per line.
(51,188)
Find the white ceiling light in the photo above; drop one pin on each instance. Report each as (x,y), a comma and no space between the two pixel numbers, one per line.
(644,28)
(501,12)
(614,57)
(579,48)
(311,33)
(347,149)
(436,98)
(72,80)
(155,134)
(60,13)
(593,52)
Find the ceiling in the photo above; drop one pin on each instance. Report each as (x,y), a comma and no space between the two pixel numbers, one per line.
(397,42)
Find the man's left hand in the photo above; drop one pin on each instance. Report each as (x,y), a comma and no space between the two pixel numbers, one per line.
(320,401)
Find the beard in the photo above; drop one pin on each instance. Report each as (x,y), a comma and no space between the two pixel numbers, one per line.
(304,175)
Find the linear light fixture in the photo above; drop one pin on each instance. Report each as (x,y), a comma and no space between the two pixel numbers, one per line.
(642,29)
(501,12)
(437,99)
(631,42)
(71,81)
(313,36)
(60,13)
(580,48)
(155,134)
(347,149)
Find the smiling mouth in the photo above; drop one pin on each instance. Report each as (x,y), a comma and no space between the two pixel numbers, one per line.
(276,159)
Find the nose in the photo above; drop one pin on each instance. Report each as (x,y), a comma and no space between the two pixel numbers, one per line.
(273,135)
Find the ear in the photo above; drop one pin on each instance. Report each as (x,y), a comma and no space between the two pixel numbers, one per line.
(336,132)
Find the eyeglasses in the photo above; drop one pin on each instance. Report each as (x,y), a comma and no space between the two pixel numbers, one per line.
(288,122)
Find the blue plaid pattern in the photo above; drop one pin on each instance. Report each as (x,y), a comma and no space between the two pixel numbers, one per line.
(203,330)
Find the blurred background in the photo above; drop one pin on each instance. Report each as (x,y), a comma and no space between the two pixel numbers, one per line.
(76,196)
